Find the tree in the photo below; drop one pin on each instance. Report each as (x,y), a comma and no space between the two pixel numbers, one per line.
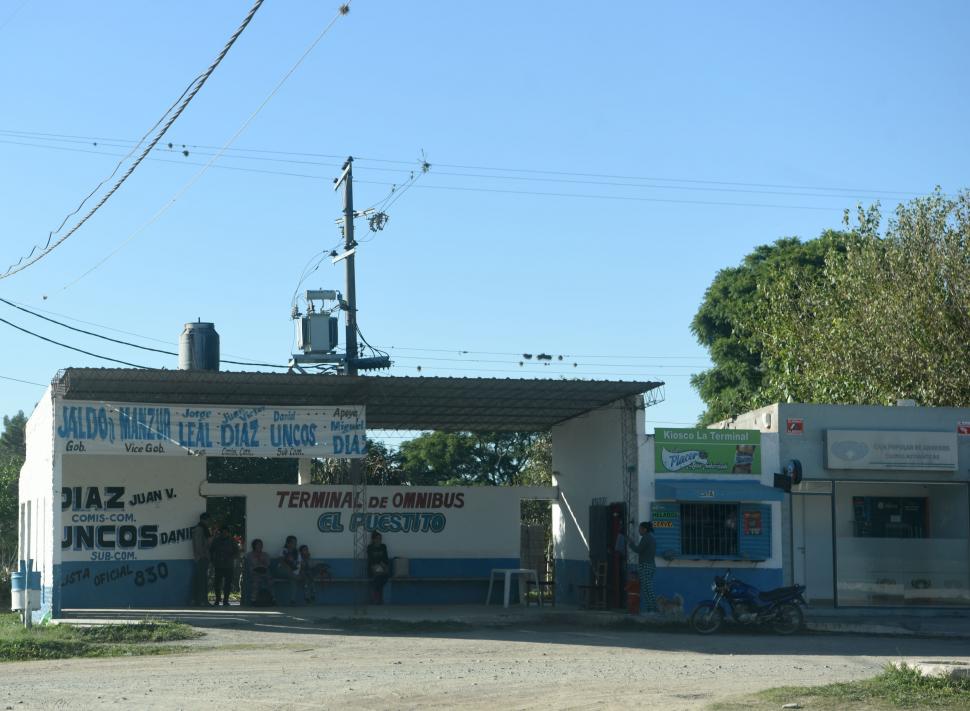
(12,451)
(468,458)
(727,321)
(381,468)
(14,437)
(889,320)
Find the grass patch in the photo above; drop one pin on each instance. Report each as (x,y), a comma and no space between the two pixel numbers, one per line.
(63,641)
(897,687)
(386,626)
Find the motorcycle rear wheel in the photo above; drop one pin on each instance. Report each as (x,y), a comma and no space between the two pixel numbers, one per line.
(788,619)
(707,619)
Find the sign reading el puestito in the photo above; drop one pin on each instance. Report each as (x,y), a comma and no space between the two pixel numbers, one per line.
(703,451)
(138,429)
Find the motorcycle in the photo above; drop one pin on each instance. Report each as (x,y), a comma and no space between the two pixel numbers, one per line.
(745,604)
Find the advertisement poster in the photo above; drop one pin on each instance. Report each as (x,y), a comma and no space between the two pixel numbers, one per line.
(138,429)
(701,451)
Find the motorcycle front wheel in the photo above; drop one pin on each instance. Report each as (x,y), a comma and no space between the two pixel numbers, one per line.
(707,618)
(788,619)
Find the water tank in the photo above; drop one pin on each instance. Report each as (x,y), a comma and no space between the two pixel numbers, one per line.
(199,347)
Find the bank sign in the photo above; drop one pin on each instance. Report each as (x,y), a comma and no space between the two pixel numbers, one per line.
(137,429)
(702,451)
(891,449)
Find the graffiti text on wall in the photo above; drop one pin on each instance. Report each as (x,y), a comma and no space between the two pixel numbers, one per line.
(135,429)
(98,522)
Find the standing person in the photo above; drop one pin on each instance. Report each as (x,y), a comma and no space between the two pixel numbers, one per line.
(200,554)
(646,551)
(223,552)
(378,567)
(257,573)
(306,574)
(288,567)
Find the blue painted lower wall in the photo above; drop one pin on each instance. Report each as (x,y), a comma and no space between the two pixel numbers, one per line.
(694,584)
(570,574)
(142,583)
(169,583)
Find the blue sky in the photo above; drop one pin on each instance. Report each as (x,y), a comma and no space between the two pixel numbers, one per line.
(781,115)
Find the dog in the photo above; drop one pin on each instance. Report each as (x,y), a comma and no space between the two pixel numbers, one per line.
(672,606)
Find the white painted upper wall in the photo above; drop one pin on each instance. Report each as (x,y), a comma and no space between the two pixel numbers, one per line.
(415,521)
(587,463)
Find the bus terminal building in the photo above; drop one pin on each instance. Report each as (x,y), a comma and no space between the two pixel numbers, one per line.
(116,475)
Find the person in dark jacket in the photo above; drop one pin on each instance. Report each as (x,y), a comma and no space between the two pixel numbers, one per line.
(200,556)
(378,567)
(223,552)
(646,551)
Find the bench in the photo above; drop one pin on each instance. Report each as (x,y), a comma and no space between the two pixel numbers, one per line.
(281,591)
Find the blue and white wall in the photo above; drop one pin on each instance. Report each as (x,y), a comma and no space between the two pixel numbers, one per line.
(587,464)
(444,532)
(38,508)
(124,536)
(684,581)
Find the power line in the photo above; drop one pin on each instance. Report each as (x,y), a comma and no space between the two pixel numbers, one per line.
(27,382)
(342,10)
(518,354)
(196,86)
(533,193)
(525,363)
(125,343)
(853,191)
(79,350)
(13,14)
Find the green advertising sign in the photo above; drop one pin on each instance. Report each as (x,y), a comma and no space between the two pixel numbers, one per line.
(700,451)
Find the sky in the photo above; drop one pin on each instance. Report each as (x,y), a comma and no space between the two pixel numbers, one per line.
(593,166)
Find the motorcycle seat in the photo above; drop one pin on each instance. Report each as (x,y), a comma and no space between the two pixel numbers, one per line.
(780,593)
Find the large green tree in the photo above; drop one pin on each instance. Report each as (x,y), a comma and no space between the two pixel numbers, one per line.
(727,322)
(468,458)
(889,319)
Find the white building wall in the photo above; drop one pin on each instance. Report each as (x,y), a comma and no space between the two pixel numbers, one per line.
(39,499)
(587,464)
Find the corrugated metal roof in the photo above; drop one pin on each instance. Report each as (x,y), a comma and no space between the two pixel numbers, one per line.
(392,402)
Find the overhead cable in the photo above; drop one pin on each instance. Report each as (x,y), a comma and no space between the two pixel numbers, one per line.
(196,85)
(125,343)
(343,10)
(18,380)
(498,170)
(79,350)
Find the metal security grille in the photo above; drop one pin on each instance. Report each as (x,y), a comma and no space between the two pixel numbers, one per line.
(709,529)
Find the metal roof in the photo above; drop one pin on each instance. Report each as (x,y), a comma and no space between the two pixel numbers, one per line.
(391,402)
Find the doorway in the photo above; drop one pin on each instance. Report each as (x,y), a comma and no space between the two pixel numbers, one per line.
(812,540)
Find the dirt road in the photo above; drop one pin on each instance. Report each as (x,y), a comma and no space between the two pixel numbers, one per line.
(296,667)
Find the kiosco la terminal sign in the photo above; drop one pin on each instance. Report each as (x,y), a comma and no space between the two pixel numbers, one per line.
(702,451)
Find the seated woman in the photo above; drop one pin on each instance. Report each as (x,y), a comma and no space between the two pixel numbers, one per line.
(257,572)
(378,567)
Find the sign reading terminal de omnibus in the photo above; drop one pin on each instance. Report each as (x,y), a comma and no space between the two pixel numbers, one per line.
(137,429)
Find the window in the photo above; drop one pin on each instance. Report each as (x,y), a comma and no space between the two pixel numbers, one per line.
(709,529)
(890,517)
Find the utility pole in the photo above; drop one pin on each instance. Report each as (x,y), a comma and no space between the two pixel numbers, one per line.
(358,477)
(347,178)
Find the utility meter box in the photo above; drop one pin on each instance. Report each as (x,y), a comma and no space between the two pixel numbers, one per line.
(316,333)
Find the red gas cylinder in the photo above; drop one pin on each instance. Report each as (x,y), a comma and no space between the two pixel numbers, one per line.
(633,595)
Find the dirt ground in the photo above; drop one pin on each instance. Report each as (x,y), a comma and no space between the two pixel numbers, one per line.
(299,666)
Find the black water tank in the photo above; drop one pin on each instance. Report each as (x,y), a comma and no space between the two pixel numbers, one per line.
(199,347)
